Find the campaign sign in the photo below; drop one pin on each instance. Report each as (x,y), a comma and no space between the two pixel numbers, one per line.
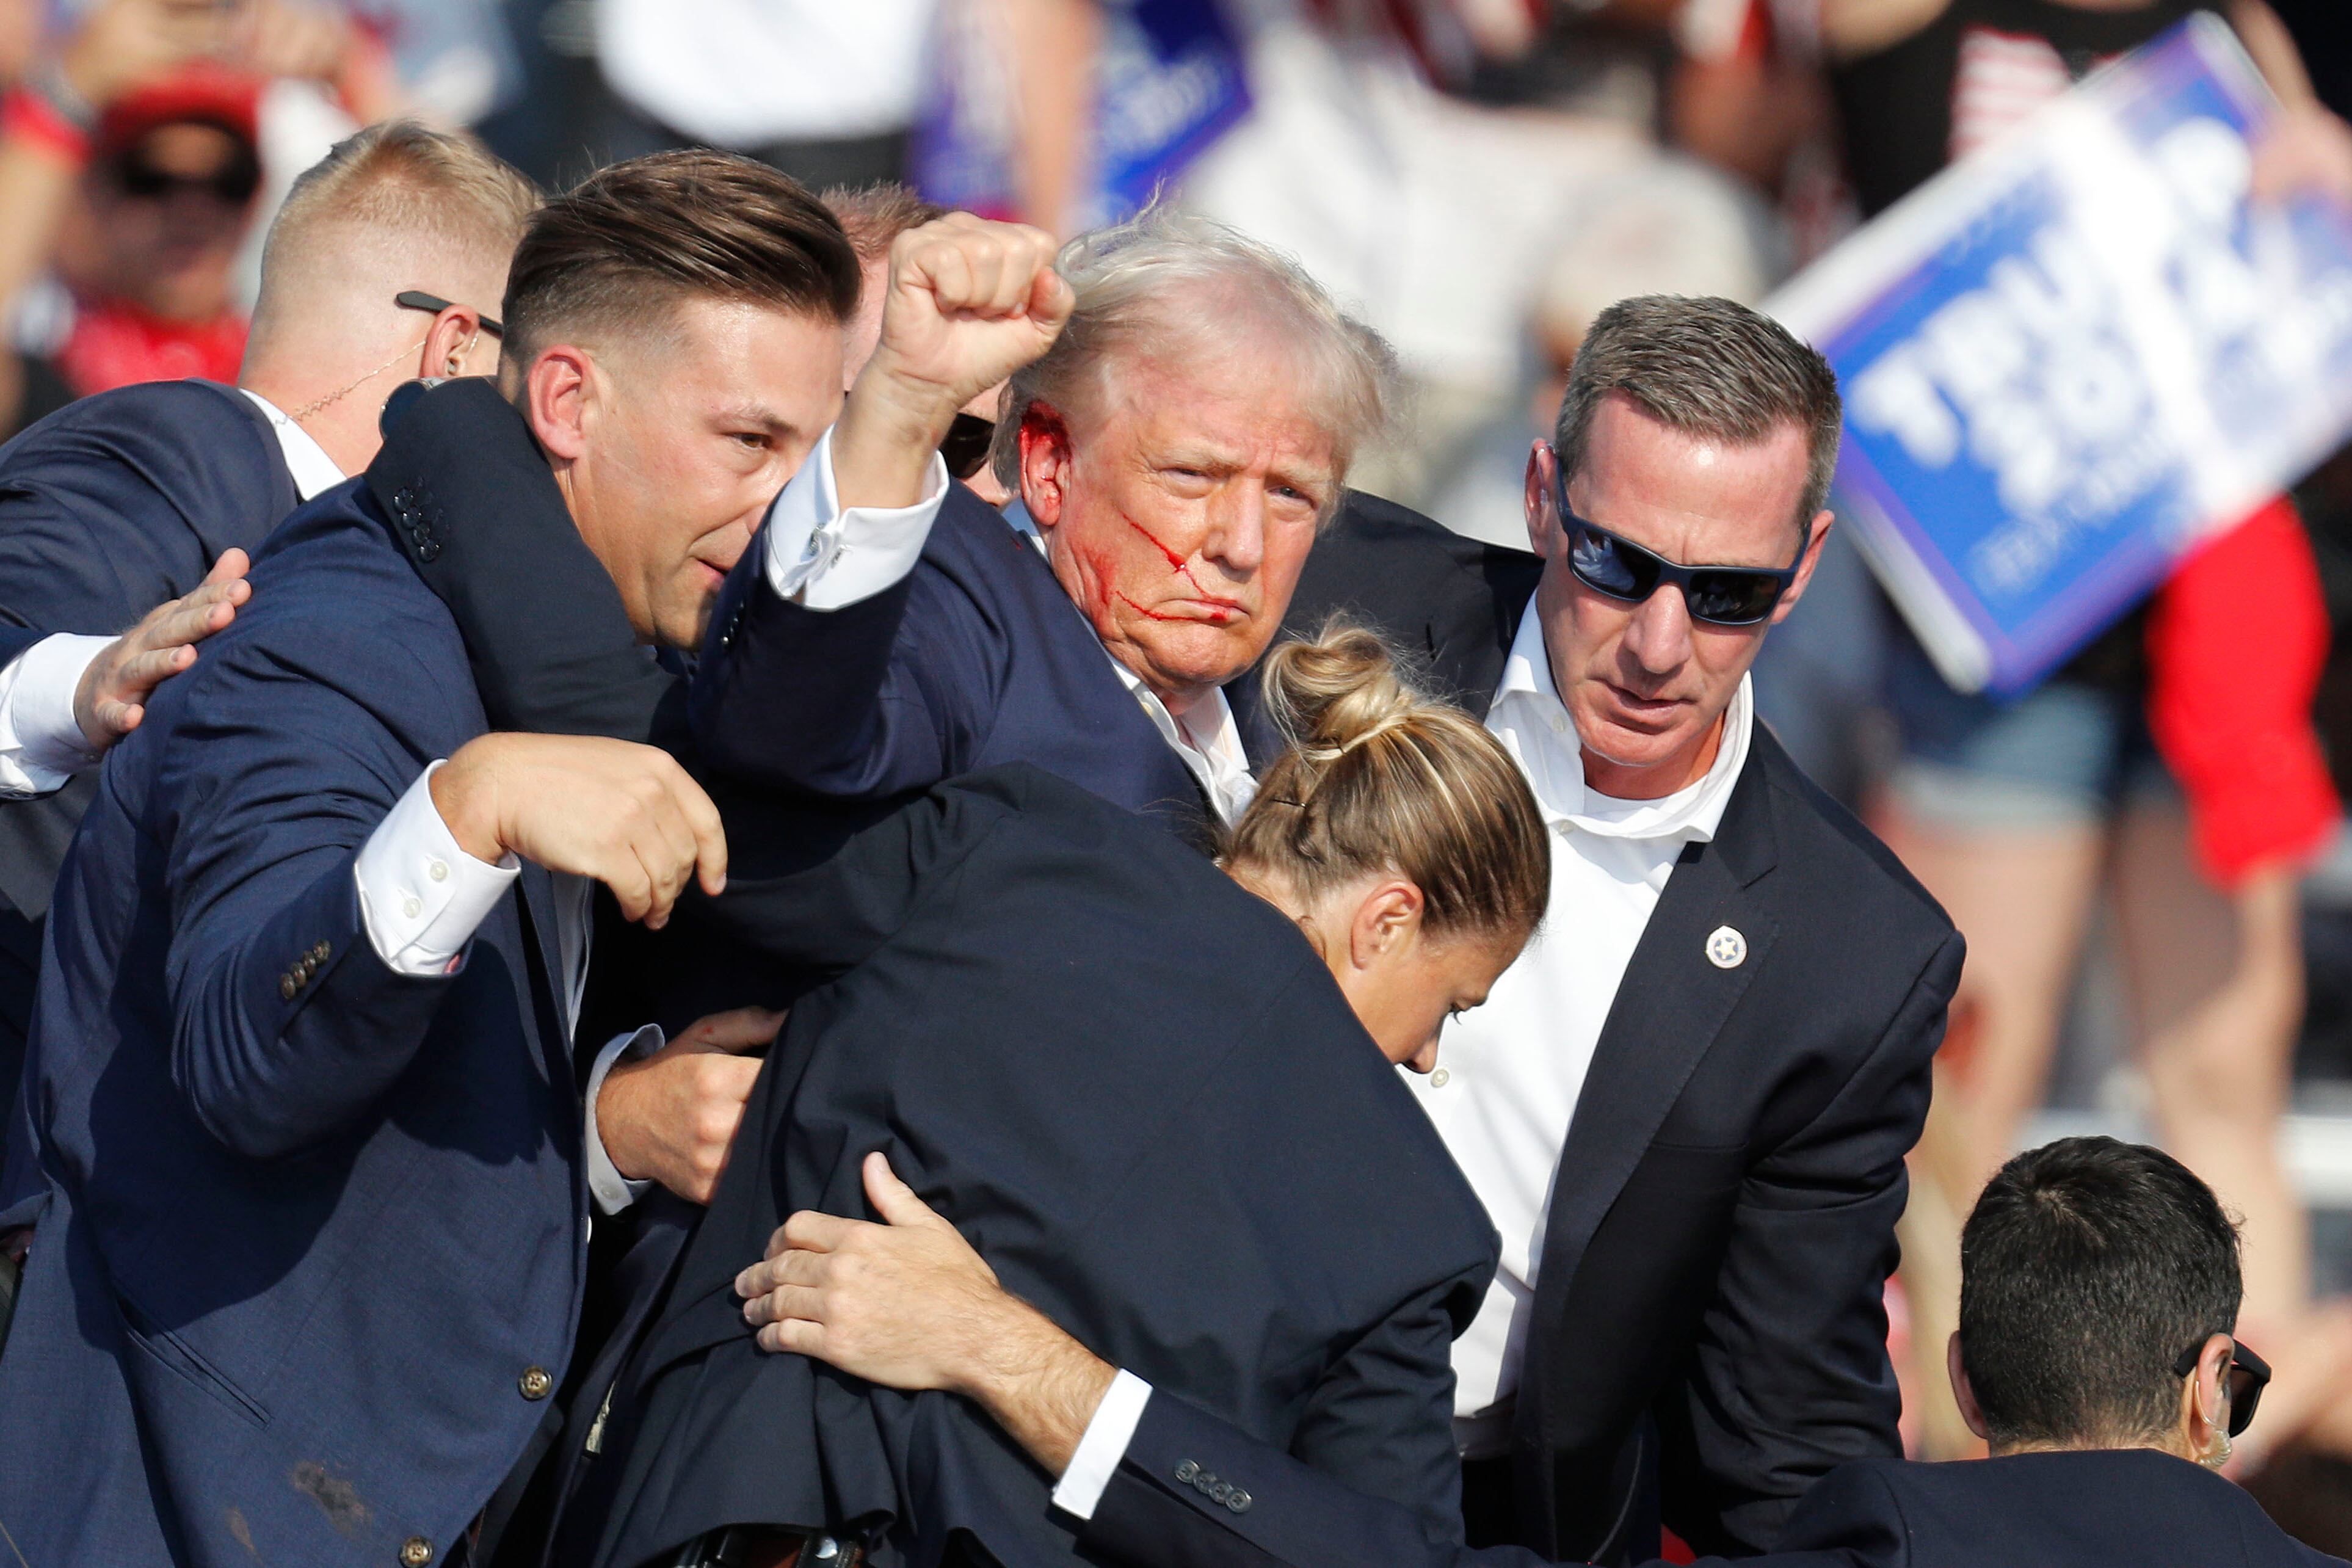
(2069,357)
(1168,81)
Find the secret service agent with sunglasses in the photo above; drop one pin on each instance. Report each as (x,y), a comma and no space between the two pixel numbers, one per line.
(2084,1264)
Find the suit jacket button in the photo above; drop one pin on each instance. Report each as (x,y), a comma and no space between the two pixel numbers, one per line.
(1186,1471)
(287,986)
(322,952)
(535,1383)
(1239,1502)
(415,1551)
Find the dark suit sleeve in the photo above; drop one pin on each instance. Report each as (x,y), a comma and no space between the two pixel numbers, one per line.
(1788,1376)
(825,893)
(15,641)
(105,513)
(863,702)
(279,771)
(469,491)
(1295,1515)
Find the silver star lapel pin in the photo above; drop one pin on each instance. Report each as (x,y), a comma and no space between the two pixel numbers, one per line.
(1726,948)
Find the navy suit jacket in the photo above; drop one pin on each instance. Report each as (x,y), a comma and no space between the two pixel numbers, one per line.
(1135,1087)
(975,658)
(107,508)
(304,1226)
(2093,1510)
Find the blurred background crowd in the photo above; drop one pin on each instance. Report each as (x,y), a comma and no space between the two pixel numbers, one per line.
(1479,178)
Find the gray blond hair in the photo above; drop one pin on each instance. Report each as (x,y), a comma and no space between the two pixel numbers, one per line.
(1709,368)
(1161,284)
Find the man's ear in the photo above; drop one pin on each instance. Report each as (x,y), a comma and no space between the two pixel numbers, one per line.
(1805,565)
(1386,918)
(1046,454)
(1963,1392)
(456,345)
(1539,498)
(557,391)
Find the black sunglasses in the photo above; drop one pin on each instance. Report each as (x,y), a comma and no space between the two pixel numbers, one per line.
(2249,1375)
(1612,564)
(433,304)
(964,448)
(232,184)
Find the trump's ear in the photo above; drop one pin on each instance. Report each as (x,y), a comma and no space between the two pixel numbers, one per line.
(558,393)
(1045,458)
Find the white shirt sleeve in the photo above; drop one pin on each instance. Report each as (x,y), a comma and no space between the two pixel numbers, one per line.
(613,1191)
(828,559)
(420,895)
(1104,1444)
(41,746)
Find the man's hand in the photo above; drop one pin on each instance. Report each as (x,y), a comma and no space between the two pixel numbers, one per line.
(111,698)
(971,301)
(908,1304)
(625,815)
(671,1117)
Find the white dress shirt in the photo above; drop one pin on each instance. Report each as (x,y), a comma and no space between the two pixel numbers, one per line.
(1509,1074)
(41,745)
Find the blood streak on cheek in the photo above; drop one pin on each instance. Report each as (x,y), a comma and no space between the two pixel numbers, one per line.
(1142,610)
(1222,607)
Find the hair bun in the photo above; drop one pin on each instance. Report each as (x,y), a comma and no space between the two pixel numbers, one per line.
(1338,691)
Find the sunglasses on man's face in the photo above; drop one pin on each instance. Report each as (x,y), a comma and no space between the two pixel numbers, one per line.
(232,184)
(964,448)
(2249,1375)
(1612,565)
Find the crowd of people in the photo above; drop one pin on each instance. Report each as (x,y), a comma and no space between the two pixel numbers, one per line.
(750,881)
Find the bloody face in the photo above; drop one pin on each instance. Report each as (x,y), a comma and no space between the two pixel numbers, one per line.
(1179,511)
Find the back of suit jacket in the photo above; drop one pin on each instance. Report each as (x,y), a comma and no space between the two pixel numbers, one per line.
(304,1225)
(107,509)
(1136,1089)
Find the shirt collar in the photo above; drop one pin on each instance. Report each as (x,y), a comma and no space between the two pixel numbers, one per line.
(1211,746)
(314,472)
(1531,722)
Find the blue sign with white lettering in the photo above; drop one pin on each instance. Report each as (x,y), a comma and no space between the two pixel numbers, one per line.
(2070,357)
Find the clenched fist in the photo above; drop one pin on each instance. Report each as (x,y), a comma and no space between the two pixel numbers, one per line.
(625,815)
(971,301)
(671,1117)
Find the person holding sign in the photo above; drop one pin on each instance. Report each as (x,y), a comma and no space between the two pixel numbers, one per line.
(2151,765)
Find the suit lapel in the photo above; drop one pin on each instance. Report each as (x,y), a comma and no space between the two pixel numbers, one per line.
(1668,1009)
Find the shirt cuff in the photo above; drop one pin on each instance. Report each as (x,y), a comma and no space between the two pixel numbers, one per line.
(420,895)
(828,558)
(1103,1446)
(41,745)
(613,1191)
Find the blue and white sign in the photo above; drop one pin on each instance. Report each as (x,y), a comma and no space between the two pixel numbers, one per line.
(1168,81)
(2068,358)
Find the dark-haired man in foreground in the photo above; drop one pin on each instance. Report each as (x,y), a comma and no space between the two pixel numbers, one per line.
(305,1161)
(2099,1292)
